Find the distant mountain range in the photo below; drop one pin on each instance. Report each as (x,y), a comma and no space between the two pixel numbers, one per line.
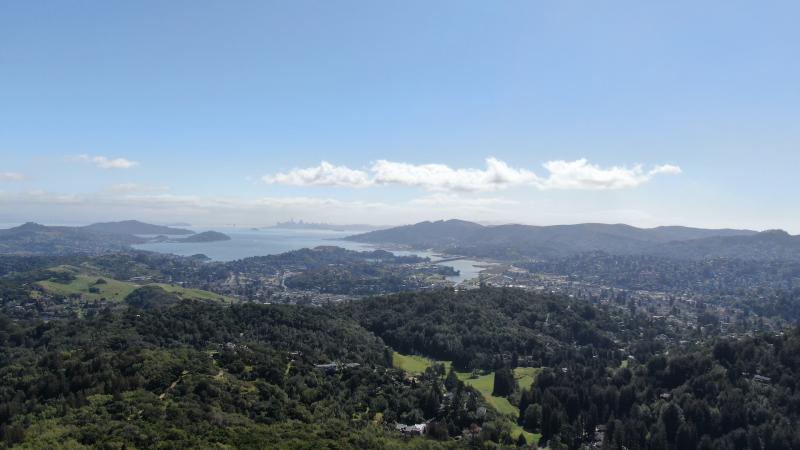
(527,241)
(457,237)
(35,239)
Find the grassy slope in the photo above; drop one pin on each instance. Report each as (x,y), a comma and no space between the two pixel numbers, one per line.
(525,376)
(116,290)
(414,363)
(112,290)
(483,383)
(195,293)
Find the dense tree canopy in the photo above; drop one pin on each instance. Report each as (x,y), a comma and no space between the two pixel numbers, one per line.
(198,374)
(472,328)
(156,370)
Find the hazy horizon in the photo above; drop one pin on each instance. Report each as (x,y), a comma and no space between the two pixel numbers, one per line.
(198,226)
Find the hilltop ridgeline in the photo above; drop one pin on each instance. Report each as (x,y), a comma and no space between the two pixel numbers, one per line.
(136,227)
(36,239)
(511,242)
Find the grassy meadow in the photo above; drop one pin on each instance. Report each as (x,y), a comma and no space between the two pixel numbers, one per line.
(115,290)
(484,383)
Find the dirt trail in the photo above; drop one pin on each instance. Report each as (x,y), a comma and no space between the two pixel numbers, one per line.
(172,386)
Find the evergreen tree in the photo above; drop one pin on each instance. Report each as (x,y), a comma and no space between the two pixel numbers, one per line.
(451,380)
(686,436)
(532,417)
(671,418)
(504,382)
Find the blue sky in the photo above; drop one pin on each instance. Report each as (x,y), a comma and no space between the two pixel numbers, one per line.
(205,111)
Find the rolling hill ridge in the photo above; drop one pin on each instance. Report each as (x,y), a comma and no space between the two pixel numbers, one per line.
(529,242)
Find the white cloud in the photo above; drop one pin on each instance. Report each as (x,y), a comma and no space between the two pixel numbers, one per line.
(440,177)
(11,176)
(579,174)
(107,163)
(326,174)
(576,175)
(667,169)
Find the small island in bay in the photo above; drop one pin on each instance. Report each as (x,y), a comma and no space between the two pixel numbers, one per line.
(206,236)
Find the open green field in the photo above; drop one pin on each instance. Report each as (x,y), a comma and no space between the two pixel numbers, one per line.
(195,293)
(483,383)
(516,430)
(415,363)
(115,290)
(525,376)
(112,290)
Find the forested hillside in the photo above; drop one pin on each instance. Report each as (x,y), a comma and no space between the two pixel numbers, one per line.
(201,375)
(473,328)
(160,371)
(732,395)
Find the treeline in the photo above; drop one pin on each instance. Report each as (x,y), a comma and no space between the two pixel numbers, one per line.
(720,276)
(365,278)
(473,328)
(732,395)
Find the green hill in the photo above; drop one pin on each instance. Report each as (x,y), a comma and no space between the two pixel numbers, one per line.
(85,284)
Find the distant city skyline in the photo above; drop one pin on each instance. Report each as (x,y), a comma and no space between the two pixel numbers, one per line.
(540,113)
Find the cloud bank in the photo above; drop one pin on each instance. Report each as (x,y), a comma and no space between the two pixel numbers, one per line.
(575,175)
(107,163)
